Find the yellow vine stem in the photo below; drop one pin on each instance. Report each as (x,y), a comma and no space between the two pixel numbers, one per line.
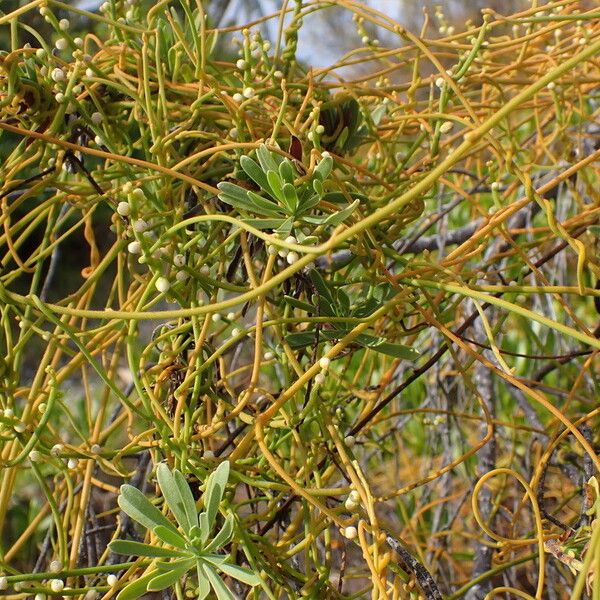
(537,396)
(371,220)
(538,524)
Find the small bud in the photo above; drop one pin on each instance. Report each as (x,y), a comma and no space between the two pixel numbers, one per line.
(237,97)
(112,580)
(3,583)
(35,456)
(350,440)
(241,64)
(350,532)
(216,317)
(235,332)
(324,363)
(72,463)
(96,449)
(248,92)
(57,585)
(96,118)
(64,24)
(439,82)
(269,355)
(292,257)
(61,44)
(319,378)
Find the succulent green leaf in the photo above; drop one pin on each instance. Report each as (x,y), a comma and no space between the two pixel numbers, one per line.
(276,185)
(215,488)
(318,187)
(266,159)
(187,497)
(243,199)
(255,173)
(244,575)
(290,197)
(137,588)
(169,578)
(322,289)
(285,228)
(286,171)
(217,584)
(129,547)
(341,215)
(323,169)
(170,537)
(140,509)
(177,496)
(204,526)
(223,536)
(265,206)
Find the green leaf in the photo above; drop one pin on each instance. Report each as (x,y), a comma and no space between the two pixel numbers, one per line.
(187,498)
(308,202)
(204,526)
(173,491)
(217,584)
(136,588)
(276,185)
(299,304)
(323,169)
(223,536)
(140,509)
(322,288)
(247,200)
(267,159)
(266,206)
(240,573)
(395,350)
(285,228)
(255,173)
(265,223)
(215,488)
(301,339)
(170,537)
(129,547)
(338,197)
(307,338)
(318,187)
(286,171)
(290,197)
(170,578)
(203,585)
(341,215)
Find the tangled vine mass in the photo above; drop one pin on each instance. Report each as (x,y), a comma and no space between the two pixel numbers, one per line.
(371,289)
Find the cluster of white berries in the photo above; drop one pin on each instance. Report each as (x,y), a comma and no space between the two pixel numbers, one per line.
(290,256)
(324,363)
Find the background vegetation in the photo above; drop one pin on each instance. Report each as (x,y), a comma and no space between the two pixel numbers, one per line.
(364,297)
